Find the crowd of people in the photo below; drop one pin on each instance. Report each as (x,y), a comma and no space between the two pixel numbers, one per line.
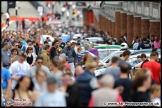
(55,73)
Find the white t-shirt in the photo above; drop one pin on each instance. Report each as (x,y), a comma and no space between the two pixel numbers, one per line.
(7,15)
(63,9)
(73,6)
(18,69)
(67,13)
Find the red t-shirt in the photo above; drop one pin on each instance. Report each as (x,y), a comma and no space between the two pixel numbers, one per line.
(155,69)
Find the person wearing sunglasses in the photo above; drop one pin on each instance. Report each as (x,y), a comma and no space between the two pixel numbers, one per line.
(30,56)
(39,65)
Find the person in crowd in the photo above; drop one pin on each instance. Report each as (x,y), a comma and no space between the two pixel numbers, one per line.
(29,44)
(76,47)
(93,50)
(152,41)
(114,70)
(11,41)
(84,59)
(71,57)
(23,24)
(24,90)
(40,81)
(55,70)
(135,38)
(111,41)
(157,42)
(78,40)
(87,82)
(39,65)
(42,47)
(49,41)
(140,85)
(14,56)
(154,67)
(45,56)
(52,97)
(19,68)
(144,44)
(136,43)
(105,92)
(62,44)
(36,47)
(5,55)
(85,43)
(5,81)
(81,53)
(144,59)
(67,14)
(53,53)
(70,88)
(30,56)
(125,82)
(7,18)
(155,94)
(63,9)
(78,70)
(73,44)
(16,45)
(154,50)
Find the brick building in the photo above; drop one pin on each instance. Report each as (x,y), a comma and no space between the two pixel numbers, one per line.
(134,18)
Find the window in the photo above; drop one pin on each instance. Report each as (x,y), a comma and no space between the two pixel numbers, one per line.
(103,54)
(134,61)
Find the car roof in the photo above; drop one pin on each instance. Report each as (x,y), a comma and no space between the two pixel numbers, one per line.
(143,50)
(108,46)
(95,38)
(116,49)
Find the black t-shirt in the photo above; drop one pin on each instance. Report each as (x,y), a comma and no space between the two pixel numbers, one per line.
(140,97)
(144,62)
(127,84)
(146,45)
(62,45)
(53,52)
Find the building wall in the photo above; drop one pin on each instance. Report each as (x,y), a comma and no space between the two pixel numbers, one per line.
(126,22)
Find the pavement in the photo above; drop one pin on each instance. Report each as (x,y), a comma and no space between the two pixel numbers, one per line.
(28,11)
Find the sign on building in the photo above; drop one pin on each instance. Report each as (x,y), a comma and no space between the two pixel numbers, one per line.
(147,11)
(40,9)
(155,13)
(138,9)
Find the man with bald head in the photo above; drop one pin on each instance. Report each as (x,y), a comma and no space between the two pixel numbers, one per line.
(78,70)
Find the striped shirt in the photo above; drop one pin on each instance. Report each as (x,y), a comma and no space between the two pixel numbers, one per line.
(80,55)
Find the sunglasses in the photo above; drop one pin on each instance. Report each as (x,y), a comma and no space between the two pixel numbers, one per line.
(65,80)
(29,49)
(39,62)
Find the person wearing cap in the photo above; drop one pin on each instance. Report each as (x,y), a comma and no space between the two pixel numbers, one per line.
(52,97)
(19,68)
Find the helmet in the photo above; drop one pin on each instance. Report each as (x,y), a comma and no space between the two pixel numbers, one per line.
(124,46)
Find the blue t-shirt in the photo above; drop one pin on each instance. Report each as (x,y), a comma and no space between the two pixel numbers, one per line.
(24,43)
(5,76)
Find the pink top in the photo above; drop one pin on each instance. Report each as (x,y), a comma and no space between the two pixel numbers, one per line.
(156,44)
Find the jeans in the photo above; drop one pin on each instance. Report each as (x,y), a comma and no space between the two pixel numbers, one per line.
(72,67)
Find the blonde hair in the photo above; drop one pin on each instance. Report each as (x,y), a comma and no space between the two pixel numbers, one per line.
(155,87)
(91,45)
(90,64)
